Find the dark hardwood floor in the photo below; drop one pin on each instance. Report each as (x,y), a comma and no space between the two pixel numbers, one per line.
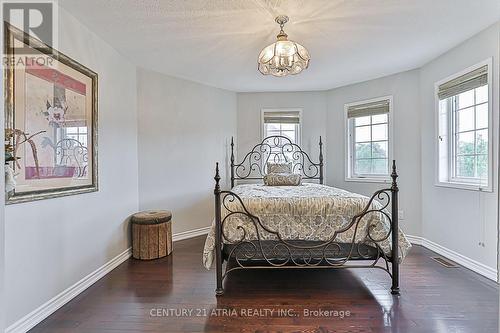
(138,295)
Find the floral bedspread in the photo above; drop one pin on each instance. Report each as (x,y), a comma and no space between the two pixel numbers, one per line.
(305,212)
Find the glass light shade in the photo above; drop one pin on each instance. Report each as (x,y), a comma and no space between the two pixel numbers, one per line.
(282,58)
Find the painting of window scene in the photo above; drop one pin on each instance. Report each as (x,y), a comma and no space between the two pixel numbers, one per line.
(53,127)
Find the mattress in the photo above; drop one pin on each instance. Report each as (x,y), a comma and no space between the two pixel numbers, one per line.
(309,212)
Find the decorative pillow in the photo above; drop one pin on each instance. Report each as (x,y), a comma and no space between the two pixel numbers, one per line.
(282,179)
(284,167)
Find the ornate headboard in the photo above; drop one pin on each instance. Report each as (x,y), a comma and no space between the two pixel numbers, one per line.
(276,148)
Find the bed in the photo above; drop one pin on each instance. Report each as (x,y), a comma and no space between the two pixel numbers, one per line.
(309,226)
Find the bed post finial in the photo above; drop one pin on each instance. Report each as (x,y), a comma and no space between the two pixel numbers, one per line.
(218,234)
(232,162)
(217,178)
(320,160)
(232,149)
(394,176)
(395,231)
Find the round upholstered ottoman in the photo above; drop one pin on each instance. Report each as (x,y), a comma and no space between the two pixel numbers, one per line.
(151,234)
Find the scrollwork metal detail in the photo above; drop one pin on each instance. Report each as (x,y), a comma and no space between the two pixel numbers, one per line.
(253,251)
(250,250)
(275,149)
(72,153)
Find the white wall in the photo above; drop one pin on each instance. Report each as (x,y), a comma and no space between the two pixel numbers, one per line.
(52,244)
(404,88)
(184,128)
(454,218)
(313,105)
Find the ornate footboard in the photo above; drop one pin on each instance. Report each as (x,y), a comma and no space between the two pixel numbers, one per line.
(286,254)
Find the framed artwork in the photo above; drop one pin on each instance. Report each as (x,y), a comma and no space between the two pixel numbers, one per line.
(51,119)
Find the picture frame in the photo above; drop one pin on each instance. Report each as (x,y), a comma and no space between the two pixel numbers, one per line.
(51,118)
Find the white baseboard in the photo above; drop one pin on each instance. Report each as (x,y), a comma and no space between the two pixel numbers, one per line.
(417,240)
(190,233)
(486,271)
(36,316)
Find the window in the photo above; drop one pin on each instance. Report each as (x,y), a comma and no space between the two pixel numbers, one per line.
(368,139)
(283,122)
(77,133)
(464,130)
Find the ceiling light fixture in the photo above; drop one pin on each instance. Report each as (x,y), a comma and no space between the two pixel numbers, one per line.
(284,56)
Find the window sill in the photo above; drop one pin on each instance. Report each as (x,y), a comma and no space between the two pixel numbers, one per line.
(368,180)
(464,186)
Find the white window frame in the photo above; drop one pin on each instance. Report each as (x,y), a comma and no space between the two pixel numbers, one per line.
(349,144)
(77,134)
(262,127)
(459,183)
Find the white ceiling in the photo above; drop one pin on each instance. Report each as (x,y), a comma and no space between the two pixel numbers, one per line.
(216,42)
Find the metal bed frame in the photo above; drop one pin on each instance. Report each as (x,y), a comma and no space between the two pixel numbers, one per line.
(289,254)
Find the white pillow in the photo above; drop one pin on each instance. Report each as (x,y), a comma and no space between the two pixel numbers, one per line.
(282,167)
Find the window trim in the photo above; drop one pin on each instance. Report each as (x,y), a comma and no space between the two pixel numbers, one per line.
(262,125)
(456,183)
(349,177)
